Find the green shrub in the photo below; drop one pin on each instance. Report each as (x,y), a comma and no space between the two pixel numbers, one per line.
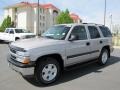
(5,24)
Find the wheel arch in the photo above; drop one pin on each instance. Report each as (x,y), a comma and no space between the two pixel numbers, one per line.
(57,56)
(108,48)
(17,38)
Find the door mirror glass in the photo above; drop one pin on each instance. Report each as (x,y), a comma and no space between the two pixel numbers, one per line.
(72,37)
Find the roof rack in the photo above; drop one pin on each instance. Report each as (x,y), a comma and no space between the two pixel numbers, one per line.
(93,24)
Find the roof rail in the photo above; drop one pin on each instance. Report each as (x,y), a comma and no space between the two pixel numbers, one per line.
(93,24)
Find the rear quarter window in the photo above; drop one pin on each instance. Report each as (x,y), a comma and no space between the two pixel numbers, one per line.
(105,31)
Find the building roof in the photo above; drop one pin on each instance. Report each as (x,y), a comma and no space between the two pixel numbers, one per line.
(23,4)
(74,16)
(49,5)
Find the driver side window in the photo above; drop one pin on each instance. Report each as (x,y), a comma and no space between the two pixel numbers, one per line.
(11,31)
(79,32)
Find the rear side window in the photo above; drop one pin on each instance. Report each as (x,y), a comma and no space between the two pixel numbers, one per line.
(105,31)
(93,32)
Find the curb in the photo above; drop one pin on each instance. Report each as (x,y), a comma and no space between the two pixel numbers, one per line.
(118,47)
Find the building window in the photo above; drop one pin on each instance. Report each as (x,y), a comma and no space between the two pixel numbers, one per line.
(40,10)
(40,24)
(43,18)
(40,17)
(43,10)
(43,24)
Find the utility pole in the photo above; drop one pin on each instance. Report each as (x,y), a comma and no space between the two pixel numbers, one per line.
(105,13)
(111,22)
(37,32)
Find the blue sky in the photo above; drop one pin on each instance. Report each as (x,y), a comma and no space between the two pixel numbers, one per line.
(89,10)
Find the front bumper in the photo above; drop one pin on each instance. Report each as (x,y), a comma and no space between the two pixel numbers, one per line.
(24,69)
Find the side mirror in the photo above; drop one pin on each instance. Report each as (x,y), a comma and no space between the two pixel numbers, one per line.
(72,38)
(11,32)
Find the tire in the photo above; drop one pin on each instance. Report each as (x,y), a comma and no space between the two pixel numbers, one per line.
(47,70)
(16,39)
(1,41)
(104,56)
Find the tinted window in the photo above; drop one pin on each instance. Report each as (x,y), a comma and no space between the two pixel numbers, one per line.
(93,32)
(105,31)
(7,31)
(79,32)
(19,31)
(11,31)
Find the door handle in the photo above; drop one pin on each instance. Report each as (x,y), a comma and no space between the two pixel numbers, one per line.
(101,42)
(88,43)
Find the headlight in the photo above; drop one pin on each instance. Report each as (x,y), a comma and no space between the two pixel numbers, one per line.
(19,53)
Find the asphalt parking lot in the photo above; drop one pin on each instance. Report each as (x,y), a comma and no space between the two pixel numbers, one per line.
(91,77)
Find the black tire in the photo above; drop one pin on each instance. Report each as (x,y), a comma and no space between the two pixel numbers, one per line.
(16,39)
(1,41)
(100,60)
(41,65)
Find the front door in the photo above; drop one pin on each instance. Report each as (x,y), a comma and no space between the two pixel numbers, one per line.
(78,50)
(11,35)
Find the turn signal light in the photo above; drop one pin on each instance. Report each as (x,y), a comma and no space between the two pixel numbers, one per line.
(26,60)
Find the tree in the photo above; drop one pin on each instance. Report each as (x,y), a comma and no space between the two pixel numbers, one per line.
(6,24)
(64,17)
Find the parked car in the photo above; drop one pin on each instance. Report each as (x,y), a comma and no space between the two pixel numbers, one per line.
(13,34)
(59,48)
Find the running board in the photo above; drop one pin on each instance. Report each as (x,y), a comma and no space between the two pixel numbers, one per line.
(79,65)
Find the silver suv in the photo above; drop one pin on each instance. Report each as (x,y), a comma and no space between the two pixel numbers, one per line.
(58,48)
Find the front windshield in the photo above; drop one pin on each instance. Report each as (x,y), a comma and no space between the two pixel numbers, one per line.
(57,32)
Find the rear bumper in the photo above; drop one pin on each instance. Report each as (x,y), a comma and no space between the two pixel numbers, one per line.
(24,69)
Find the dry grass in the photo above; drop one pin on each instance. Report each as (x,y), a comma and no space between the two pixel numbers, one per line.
(116,41)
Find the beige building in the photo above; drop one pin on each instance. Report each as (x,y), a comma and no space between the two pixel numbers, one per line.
(76,18)
(25,15)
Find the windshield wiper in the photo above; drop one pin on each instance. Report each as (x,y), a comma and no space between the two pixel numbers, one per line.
(48,37)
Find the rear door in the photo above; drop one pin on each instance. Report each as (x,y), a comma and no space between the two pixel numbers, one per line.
(95,42)
(78,50)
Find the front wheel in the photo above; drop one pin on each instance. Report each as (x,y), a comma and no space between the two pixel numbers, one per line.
(47,70)
(104,56)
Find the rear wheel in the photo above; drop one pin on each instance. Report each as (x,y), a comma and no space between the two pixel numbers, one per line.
(104,56)
(47,70)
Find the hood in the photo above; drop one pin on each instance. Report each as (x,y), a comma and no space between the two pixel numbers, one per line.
(28,44)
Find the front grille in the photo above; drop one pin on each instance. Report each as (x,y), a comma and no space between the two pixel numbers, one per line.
(12,57)
(13,50)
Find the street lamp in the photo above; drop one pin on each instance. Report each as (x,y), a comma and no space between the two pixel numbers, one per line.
(105,13)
